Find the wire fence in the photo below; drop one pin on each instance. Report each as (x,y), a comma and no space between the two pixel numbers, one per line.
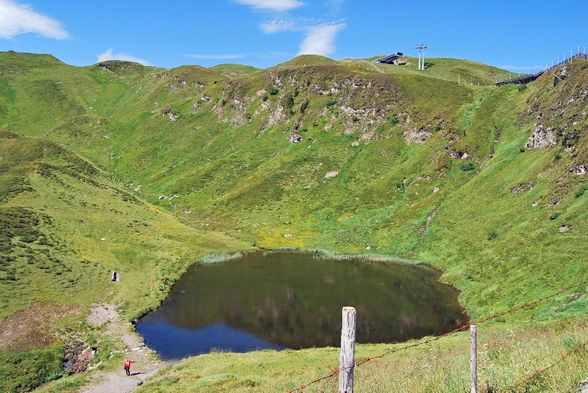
(526,78)
(528,379)
(525,306)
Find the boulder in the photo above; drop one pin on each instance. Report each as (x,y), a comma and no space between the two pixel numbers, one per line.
(416,135)
(76,356)
(171,115)
(579,169)
(294,137)
(541,138)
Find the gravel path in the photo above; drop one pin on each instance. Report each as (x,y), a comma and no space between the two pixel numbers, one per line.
(146,364)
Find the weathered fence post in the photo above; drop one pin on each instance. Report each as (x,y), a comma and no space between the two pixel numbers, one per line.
(347,356)
(473,359)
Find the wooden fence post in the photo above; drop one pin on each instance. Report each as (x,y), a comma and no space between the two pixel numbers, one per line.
(473,359)
(347,356)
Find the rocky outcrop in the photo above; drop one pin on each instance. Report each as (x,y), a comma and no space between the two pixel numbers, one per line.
(238,118)
(170,114)
(579,169)
(582,386)
(560,117)
(456,154)
(560,76)
(275,117)
(541,138)
(416,135)
(363,116)
(294,137)
(177,84)
(76,356)
(520,188)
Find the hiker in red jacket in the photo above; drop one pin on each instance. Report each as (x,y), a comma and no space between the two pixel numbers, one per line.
(127,366)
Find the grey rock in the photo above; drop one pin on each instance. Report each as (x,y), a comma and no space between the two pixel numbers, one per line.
(416,136)
(76,356)
(519,188)
(579,169)
(541,138)
(294,137)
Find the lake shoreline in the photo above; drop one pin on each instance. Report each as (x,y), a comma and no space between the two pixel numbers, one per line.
(405,284)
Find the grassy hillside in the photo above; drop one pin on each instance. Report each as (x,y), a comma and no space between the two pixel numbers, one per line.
(506,358)
(234,69)
(64,228)
(386,160)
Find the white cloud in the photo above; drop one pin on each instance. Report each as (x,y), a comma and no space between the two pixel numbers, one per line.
(277,25)
(16,19)
(272,5)
(111,55)
(204,56)
(320,40)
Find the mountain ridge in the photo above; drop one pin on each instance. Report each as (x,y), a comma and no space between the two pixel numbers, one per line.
(486,183)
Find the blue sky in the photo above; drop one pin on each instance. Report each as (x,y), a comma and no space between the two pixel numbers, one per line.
(520,35)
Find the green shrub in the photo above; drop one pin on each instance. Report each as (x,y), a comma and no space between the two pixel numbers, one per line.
(468,167)
(22,372)
(288,102)
(304,105)
(492,235)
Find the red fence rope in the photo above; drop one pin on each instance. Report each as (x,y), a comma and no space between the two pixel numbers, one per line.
(524,306)
(525,381)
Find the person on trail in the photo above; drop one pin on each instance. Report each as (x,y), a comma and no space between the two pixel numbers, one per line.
(127,366)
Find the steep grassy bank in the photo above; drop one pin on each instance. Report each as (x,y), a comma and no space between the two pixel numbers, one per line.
(486,183)
(506,358)
(64,228)
(374,149)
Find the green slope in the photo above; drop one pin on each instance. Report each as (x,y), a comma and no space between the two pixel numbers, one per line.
(64,228)
(234,69)
(427,167)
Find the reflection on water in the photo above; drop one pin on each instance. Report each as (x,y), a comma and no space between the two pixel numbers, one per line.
(290,300)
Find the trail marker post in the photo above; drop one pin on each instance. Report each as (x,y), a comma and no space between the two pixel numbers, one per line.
(473,359)
(347,356)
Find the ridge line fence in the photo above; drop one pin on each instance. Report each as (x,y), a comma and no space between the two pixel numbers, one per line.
(527,78)
(344,370)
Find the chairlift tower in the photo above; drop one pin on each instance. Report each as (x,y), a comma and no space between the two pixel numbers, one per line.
(421,48)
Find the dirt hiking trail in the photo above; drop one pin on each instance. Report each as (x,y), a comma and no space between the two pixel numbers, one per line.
(146,363)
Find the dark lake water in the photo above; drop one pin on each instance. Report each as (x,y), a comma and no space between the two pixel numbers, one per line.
(291,300)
